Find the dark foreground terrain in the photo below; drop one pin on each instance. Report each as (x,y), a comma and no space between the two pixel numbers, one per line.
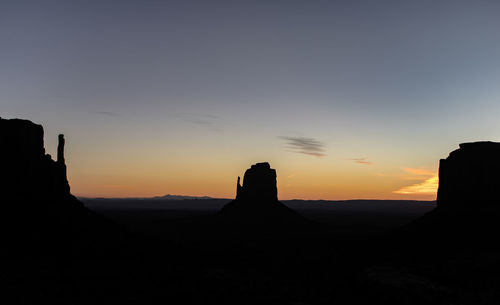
(177,252)
(352,252)
(168,219)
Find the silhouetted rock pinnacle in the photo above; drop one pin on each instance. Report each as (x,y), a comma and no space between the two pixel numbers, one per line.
(39,215)
(469,177)
(257,200)
(27,172)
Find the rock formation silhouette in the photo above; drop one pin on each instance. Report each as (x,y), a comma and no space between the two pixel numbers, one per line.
(257,200)
(468,201)
(27,172)
(259,183)
(38,210)
(469,177)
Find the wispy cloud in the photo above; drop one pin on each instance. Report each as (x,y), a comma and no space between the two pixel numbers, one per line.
(418,171)
(304,145)
(428,185)
(209,121)
(205,119)
(361,161)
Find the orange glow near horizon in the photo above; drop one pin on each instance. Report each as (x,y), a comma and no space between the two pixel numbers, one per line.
(128,168)
(429,186)
(312,183)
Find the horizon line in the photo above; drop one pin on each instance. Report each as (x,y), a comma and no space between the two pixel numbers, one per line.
(218,198)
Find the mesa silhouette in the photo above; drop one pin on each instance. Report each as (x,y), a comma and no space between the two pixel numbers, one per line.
(257,202)
(468,178)
(27,172)
(40,216)
(468,201)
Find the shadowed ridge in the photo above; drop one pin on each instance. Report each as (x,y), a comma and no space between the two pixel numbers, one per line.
(468,200)
(449,255)
(469,177)
(39,214)
(257,202)
(27,172)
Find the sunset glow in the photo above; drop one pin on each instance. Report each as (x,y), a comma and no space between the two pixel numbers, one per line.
(427,187)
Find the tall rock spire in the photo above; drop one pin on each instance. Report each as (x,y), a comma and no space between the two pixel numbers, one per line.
(60,149)
(238,188)
(27,172)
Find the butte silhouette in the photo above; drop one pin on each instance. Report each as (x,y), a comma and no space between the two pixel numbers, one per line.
(256,202)
(39,214)
(468,198)
(469,177)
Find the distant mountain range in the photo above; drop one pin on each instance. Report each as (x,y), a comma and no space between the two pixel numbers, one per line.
(180,197)
(165,197)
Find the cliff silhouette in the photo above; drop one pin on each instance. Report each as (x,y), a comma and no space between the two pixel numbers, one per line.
(468,200)
(256,201)
(468,178)
(449,255)
(40,216)
(27,172)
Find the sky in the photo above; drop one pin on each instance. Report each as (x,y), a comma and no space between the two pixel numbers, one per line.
(345,99)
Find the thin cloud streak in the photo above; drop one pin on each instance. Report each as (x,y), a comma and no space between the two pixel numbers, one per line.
(418,171)
(362,161)
(209,121)
(429,186)
(304,145)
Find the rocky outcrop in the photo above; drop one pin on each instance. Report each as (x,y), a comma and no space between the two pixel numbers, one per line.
(470,177)
(39,216)
(27,172)
(257,202)
(468,201)
(259,183)
(458,239)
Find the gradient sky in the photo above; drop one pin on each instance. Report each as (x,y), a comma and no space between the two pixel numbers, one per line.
(346,99)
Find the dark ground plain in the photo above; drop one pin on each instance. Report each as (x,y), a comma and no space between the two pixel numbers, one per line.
(176,219)
(175,252)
